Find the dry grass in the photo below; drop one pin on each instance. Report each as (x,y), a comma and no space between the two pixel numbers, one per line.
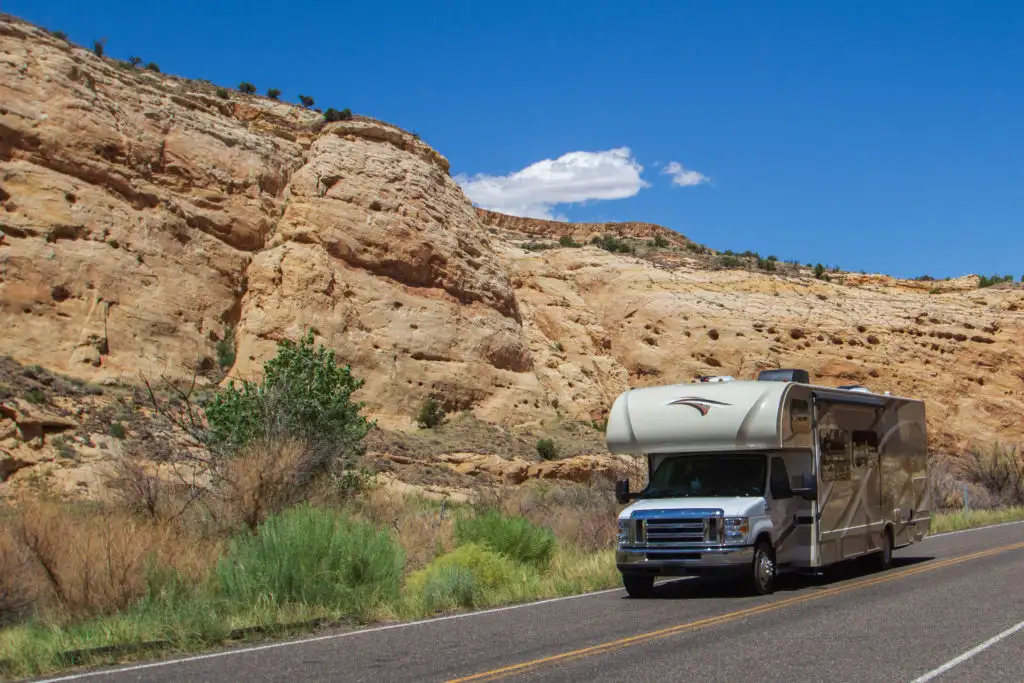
(81,561)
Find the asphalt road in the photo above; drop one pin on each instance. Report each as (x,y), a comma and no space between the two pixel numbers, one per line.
(954,596)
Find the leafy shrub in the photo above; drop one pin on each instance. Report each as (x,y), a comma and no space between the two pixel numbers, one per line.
(431,414)
(567,241)
(613,244)
(819,271)
(247,88)
(515,537)
(333,114)
(728,261)
(547,449)
(306,101)
(313,556)
(660,242)
(304,395)
(59,35)
(135,61)
(273,93)
(462,578)
(222,93)
(226,346)
(766,263)
(153,66)
(117,430)
(35,396)
(988,281)
(99,46)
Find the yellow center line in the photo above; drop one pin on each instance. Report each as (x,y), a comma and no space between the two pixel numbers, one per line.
(505,671)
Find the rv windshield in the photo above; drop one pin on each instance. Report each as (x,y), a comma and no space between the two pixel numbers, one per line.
(726,474)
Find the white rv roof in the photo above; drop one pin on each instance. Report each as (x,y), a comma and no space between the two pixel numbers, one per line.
(707,416)
(710,416)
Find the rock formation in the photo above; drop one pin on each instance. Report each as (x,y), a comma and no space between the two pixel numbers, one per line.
(157,225)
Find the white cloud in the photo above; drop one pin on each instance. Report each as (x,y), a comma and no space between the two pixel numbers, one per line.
(574,177)
(683,177)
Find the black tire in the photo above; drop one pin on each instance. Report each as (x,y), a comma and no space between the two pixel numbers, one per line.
(762,570)
(885,555)
(638,585)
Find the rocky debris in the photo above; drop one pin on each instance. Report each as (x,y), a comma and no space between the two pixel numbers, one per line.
(32,422)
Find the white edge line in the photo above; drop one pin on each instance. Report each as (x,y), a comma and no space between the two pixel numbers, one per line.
(374,629)
(970,653)
(976,528)
(315,639)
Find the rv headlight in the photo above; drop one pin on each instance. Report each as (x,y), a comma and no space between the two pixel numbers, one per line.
(623,531)
(736,529)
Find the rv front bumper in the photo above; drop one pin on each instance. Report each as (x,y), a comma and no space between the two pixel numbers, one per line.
(683,560)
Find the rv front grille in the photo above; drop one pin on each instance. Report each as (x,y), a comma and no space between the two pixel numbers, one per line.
(666,529)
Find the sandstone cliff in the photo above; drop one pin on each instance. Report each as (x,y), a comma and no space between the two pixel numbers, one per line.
(151,222)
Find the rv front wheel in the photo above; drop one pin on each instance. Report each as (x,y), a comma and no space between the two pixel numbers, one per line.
(638,585)
(763,570)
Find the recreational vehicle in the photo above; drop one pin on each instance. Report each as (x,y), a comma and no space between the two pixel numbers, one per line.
(766,476)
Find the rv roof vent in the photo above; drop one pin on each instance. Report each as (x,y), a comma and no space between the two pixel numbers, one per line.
(784,375)
(854,387)
(716,378)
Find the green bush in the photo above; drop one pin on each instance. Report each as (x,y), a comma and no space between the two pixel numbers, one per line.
(567,241)
(247,87)
(547,449)
(304,395)
(273,93)
(222,93)
(226,346)
(117,430)
(515,537)
(462,578)
(988,281)
(333,114)
(613,244)
(306,101)
(431,414)
(313,556)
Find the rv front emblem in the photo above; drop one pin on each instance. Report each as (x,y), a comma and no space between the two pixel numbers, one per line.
(701,405)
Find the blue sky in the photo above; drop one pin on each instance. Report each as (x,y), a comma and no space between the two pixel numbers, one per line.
(877,136)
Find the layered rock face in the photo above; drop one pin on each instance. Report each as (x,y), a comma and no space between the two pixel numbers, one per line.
(145,216)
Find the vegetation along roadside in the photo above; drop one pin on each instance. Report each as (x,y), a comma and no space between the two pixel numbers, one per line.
(263,524)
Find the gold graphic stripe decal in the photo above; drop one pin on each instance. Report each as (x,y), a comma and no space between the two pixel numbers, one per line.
(642,638)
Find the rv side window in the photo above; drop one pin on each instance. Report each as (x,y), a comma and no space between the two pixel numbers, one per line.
(865,448)
(835,457)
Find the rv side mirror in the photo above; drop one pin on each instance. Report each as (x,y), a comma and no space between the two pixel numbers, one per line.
(808,487)
(622,491)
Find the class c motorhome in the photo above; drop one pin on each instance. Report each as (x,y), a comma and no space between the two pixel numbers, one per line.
(766,476)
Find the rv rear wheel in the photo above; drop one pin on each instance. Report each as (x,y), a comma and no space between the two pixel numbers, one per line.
(638,585)
(885,556)
(762,577)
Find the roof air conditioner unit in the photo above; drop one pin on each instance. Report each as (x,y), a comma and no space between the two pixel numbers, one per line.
(786,375)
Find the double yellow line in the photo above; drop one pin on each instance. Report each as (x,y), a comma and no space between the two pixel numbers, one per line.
(642,638)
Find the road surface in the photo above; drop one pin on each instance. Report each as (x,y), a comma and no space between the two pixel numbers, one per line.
(951,609)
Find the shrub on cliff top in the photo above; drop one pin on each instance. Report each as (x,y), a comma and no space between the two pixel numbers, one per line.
(333,114)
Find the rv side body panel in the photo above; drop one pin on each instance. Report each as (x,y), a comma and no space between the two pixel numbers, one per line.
(871,455)
(850,515)
(904,468)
